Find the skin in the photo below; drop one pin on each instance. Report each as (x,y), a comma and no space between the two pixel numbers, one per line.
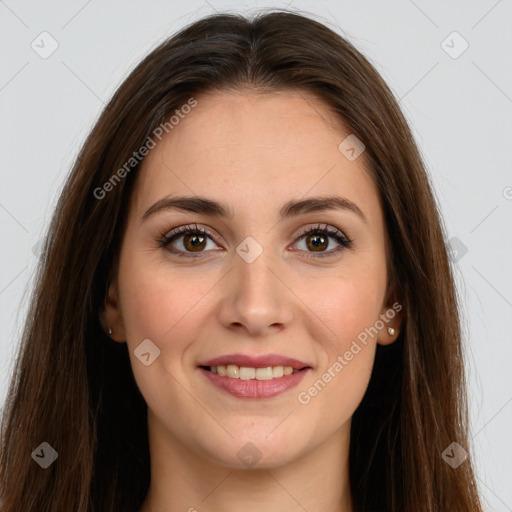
(254,152)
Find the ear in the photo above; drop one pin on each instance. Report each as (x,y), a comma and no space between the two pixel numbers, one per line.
(391,316)
(110,315)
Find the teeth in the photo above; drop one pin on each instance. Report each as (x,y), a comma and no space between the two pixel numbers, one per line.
(233,371)
(264,373)
(277,371)
(245,373)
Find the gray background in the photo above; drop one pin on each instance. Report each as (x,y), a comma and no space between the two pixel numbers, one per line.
(460,110)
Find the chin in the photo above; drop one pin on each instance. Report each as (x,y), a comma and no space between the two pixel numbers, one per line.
(256,451)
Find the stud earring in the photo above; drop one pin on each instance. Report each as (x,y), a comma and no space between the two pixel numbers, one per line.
(110,331)
(391,331)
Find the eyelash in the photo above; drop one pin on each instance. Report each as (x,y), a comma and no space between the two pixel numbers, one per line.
(166,239)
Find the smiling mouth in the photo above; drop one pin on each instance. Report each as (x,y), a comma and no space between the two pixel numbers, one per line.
(233,371)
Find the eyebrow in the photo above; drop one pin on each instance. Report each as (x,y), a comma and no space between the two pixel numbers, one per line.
(206,206)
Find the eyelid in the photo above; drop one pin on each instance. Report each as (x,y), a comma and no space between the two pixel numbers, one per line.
(321,226)
(189,228)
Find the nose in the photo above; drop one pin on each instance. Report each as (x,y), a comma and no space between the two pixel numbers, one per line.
(256,298)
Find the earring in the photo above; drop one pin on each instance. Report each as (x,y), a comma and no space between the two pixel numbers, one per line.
(110,331)
(391,331)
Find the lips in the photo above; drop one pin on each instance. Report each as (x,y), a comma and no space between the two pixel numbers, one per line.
(262,376)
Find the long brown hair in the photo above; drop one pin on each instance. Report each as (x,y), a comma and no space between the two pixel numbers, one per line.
(73,387)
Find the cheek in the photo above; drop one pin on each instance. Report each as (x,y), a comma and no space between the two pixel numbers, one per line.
(348,304)
(348,308)
(162,304)
(156,296)
(342,378)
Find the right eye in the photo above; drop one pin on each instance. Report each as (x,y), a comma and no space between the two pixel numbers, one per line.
(194,240)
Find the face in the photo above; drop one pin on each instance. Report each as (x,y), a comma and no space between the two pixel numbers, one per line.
(268,286)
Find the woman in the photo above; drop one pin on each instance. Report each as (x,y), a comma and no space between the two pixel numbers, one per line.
(245,298)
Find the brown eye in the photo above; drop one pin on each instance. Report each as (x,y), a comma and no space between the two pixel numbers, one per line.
(188,241)
(194,242)
(317,242)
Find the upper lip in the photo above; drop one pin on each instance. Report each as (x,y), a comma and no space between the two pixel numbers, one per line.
(255,361)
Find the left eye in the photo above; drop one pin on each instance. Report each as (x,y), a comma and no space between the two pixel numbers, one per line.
(193,239)
(318,240)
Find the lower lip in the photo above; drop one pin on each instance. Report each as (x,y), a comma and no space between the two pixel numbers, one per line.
(255,388)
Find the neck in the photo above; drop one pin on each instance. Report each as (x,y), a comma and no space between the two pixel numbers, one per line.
(183,480)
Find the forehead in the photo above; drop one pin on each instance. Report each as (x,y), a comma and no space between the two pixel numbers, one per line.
(255,150)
